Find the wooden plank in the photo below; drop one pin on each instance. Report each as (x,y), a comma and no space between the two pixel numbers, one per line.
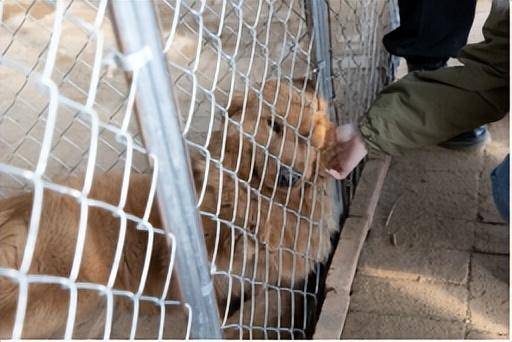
(344,263)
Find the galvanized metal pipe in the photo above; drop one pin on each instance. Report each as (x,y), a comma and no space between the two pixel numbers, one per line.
(319,26)
(136,29)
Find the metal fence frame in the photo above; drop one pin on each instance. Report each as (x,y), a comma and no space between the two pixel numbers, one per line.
(139,37)
(138,33)
(319,25)
(206,323)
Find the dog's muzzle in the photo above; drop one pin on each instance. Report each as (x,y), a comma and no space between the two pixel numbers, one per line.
(287,177)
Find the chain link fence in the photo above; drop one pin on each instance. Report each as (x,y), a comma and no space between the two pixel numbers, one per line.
(160,162)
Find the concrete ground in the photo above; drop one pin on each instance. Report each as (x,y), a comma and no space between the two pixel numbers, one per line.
(436,262)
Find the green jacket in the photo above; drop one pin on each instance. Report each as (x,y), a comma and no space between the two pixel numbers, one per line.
(429,107)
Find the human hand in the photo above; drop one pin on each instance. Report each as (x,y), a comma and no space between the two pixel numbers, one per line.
(345,155)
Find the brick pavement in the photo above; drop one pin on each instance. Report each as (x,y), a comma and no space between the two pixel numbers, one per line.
(439,267)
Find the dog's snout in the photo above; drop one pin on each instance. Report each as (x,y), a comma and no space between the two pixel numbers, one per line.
(287,177)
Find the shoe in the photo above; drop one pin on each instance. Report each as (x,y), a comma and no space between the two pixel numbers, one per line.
(470,139)
(425,66)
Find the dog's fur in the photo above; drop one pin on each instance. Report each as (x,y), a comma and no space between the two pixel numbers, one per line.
(276,240)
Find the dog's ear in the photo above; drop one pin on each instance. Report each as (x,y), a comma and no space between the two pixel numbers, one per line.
(324,131)
(318,102)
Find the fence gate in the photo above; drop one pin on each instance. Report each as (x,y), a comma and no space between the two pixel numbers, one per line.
(160,162)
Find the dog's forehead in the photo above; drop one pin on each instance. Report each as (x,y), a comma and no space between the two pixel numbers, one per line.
(290,103)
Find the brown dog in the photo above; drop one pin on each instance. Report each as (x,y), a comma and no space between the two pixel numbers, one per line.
(47,306)
(262,221)
(287,196)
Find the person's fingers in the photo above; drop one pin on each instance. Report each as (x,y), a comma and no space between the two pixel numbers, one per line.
(336,170)
(335,164)
(339,174)
(330,157)
(337,156)
(342,158)
(332,162)
(336,174)
(342,163)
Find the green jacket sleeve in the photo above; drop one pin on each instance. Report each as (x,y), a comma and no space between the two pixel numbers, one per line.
(426,108)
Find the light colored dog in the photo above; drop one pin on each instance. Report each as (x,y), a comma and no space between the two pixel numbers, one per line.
(265,219)
(292,234)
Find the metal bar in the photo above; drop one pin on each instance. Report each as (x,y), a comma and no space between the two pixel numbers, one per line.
(136,29)
(317,12)
(394,61)
(318,22)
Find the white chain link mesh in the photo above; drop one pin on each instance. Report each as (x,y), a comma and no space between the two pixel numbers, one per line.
(240,73)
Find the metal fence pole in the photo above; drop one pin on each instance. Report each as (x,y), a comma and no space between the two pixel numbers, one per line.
(394,61)
(136,29)
(317,12)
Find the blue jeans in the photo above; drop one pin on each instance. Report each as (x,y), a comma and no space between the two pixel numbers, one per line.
(500,188)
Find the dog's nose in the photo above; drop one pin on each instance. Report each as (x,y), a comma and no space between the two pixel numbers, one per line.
(287,177)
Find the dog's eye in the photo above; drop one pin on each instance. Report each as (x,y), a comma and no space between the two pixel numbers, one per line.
(274,125)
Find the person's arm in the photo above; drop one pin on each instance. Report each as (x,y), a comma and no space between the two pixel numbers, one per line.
(427,108)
